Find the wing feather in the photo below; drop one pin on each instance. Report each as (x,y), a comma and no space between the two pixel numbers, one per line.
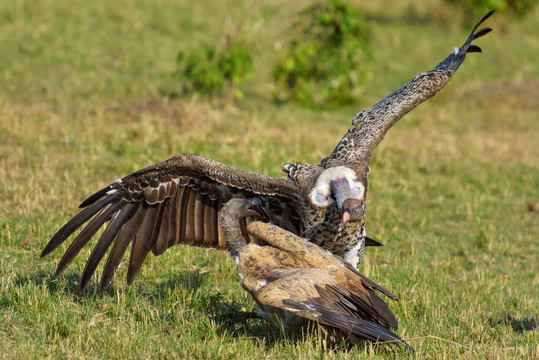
(125,237)
(174,225)
(210,227)
(142,243)
(365,329)
(164,230)
(190,218)
(175,202)
(105,240)
(198,219)
(370,126)
(314,295)
(158,223)
(182,218)
(78,221)
(84,236)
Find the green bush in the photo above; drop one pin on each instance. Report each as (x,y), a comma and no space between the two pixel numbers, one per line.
(214,69)
(478,7)
(325,65)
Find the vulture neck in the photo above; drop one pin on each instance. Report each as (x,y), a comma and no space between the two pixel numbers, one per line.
(234,237)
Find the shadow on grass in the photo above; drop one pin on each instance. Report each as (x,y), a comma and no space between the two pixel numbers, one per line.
(263,332)
(68,284)
(518,325)
(214,305)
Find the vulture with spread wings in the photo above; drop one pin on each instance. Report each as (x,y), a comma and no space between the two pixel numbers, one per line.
(178,201)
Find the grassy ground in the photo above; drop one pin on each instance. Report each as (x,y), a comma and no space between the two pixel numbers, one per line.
(453,187)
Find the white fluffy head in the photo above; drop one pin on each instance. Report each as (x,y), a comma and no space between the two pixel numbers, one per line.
(321,194)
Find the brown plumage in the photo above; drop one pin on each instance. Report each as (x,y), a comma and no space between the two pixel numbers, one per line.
(178,201)
(296,282)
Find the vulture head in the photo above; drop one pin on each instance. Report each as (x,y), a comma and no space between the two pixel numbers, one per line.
(340,185)
(232,213)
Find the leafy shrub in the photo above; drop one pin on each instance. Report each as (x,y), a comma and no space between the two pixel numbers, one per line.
(326,65)
(214,69)
(479,7)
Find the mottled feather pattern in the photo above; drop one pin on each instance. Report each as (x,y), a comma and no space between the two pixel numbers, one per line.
(296,282)
(303,176)
(286,241)
(369,126)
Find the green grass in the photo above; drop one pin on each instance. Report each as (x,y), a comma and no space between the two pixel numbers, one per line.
(81,104)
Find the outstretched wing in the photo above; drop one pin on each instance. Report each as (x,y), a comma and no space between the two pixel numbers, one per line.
(370,126)
(174,202)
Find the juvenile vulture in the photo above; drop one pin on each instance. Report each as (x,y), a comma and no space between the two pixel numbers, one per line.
(296,282)
(178,201)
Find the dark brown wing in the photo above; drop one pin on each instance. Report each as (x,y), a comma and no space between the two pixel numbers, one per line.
(313,294)
(174,202)
(370,126)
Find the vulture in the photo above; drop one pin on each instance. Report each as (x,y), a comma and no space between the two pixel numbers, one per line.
(179,200)
(296,283)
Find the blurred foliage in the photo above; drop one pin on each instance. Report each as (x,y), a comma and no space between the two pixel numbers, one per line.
(478,7)
(215,69)
(325,65)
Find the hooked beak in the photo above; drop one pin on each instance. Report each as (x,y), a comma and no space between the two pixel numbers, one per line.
(251,202)
(350,207)
(351,210)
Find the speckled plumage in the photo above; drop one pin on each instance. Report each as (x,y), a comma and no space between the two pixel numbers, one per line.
(296,282)
(178,201)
